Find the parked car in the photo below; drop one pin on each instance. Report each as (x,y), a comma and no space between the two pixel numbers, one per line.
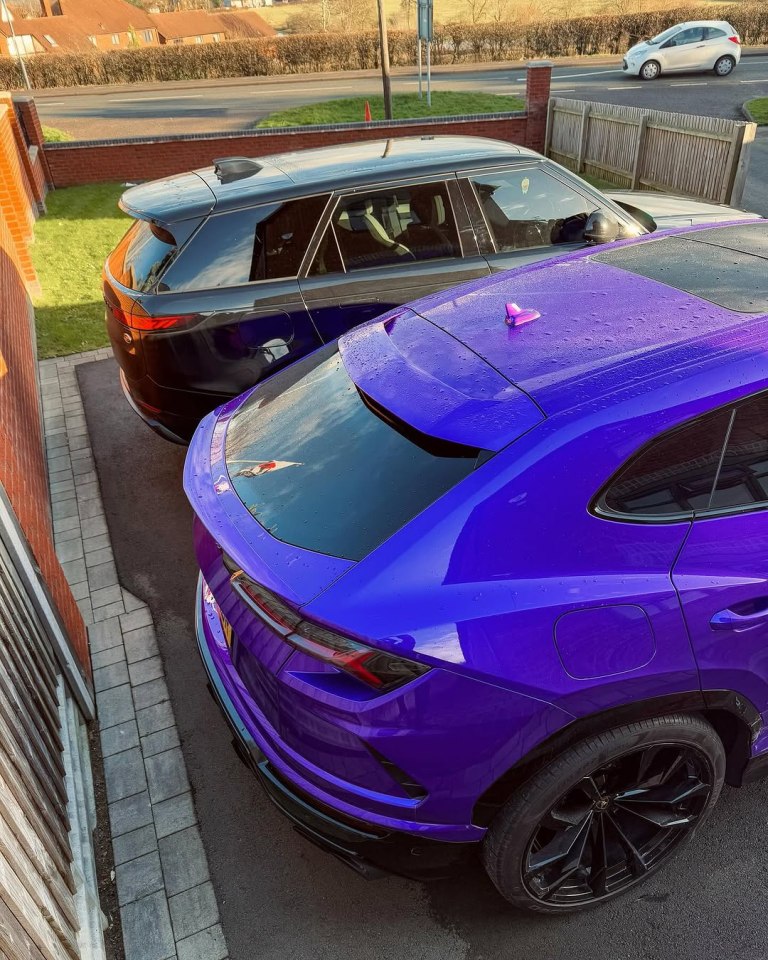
(236,270)
(490,577)
(697,45)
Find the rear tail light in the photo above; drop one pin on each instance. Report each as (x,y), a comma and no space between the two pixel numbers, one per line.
(138,319)
(376,668)
(734,39)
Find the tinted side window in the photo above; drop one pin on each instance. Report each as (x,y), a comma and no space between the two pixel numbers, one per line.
(714,33)
(267,242)
(398,225)
(142,255)
(674,476)
(743,478)
(528,208)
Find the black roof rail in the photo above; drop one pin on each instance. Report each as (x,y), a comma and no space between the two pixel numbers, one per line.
(228,169)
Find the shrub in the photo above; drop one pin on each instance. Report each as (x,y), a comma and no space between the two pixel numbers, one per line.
(453,43)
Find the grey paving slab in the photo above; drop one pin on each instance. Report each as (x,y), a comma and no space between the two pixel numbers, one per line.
(102,575)
(147,930)
(105,658)
(183,859)
(159,742)
(112,675)
(121,737)
(140,643)
(154,718)
(137,843)
(124,774)
(138,878)
(194,910)
(130,814)
(142,671)
(105,634)
(137,618)
(148,694)
(69,550)
(174,815)
(74,570)
(110,610)
(115,707)
(101,596)
(207,945)
(166,775)
(146,779)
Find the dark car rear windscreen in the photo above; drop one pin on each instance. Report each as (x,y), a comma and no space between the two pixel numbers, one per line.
(321,468)
(725,265)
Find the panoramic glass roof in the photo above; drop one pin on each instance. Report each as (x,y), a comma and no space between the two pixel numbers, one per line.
(725,265)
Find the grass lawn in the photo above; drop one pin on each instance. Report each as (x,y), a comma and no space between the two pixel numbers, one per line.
(759,109)
(72,241)
(405,105)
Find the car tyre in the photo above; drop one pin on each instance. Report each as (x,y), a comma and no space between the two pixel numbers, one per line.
(544,821)
(650,70)
(724,66)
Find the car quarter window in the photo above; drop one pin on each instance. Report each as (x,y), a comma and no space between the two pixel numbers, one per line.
(266,242)
(714,33)
(674,475)
(743,477)
(528,208)
(396,225)
(691,35)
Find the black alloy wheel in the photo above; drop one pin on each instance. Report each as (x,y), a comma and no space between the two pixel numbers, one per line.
(608,831)
(604,814)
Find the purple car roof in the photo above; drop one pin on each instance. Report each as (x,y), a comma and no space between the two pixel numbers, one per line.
(610,318)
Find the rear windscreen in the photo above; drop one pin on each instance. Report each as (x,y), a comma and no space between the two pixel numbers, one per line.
(320,467)
(143,254)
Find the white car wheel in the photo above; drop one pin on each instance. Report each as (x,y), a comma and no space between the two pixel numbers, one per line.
(650,70)
(724,66)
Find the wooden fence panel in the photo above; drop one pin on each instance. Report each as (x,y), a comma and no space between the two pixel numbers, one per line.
(702,157)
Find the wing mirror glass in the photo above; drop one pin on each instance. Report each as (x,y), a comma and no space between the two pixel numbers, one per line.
(601,228)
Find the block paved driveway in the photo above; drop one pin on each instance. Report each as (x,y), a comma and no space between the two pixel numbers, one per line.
(278,895)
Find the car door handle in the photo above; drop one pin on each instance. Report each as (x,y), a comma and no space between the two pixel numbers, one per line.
(730,620)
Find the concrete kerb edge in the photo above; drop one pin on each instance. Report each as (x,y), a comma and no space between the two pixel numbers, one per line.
(130,763)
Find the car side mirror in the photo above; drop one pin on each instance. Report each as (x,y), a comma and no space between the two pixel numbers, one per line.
(601,228)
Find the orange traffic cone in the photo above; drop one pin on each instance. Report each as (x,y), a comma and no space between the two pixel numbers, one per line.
(368,116)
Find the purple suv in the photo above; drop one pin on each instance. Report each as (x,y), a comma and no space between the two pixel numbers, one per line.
(490,576)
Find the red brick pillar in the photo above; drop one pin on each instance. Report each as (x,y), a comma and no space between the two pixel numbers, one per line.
(29,116)
(34,181)
(537,85)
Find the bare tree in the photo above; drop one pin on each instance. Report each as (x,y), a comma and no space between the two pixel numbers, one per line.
(477,10)
(408,9)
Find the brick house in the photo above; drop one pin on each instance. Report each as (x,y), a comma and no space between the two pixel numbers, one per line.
(200,26)
(78,25)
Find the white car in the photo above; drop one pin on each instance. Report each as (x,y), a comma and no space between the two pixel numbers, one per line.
(698,45)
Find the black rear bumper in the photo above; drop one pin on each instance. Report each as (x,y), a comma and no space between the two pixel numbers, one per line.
(364,847)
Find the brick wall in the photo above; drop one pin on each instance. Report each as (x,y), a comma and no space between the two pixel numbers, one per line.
(23,472)
(71,164)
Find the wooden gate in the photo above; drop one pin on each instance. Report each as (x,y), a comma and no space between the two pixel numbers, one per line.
(38,918)
(638,149)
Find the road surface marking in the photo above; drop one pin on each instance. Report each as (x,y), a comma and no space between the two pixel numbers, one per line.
(169,96)
(624,86)
(690,83)
(568,90)
(761,80)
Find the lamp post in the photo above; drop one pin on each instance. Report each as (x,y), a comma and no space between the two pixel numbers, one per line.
(8,17)
(386,82)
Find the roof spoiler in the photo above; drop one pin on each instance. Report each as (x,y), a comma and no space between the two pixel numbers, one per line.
(229,169)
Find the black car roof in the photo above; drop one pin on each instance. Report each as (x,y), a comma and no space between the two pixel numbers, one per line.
(315,171)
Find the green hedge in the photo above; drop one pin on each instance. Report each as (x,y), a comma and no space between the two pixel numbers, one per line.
(454,43)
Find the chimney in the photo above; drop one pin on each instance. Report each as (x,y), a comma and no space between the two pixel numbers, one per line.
(51,8)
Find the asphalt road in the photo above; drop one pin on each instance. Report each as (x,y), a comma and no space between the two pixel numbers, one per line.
(282,898)
(186,108)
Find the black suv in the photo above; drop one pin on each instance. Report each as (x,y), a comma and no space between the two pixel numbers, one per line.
(233,271)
